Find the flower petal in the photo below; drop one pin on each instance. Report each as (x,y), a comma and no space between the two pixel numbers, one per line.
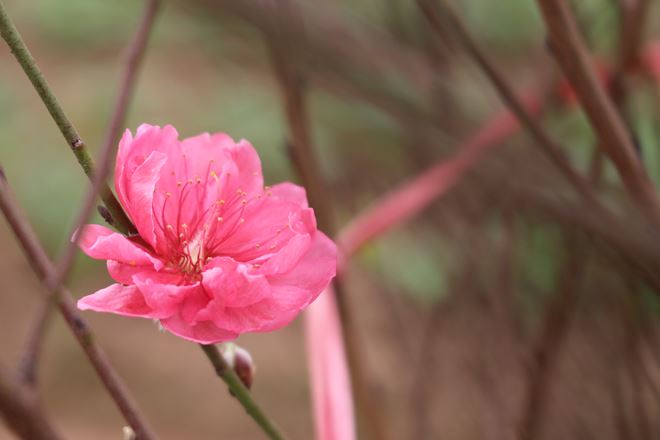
(102,243)
(302,284)
(163,299)
(118,299)
(123,273)
(203,332)
(231,285)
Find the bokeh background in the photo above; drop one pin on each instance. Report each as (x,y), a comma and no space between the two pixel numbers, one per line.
(439,362)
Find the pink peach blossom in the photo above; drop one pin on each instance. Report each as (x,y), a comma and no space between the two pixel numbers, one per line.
(218,254)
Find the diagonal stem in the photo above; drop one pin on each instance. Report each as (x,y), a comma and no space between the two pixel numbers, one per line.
(135,54)
(549,146)
(571,54)
(13,39)
(238,390)
(41,264)
(22,412)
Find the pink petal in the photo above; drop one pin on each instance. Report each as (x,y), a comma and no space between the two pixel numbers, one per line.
(123,273)
(287,257)
(163,299)
(134,151)
(231,285)
(290,192)
(330,381)
(203,332)
(140,194)
(262,226)
(101,243)
(118,299)
(301,285)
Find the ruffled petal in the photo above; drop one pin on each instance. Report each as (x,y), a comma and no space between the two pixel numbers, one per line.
(307,279)
(163,299)
(102,243)
(231,285)
(290,192)
(203,332)
(118,299)
(123,273)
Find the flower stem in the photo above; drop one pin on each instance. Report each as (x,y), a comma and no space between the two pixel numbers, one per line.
(236,387)
(22,54)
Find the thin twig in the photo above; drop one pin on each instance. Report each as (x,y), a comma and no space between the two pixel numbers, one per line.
(549,146)
(571,54)
(554,329)
(238,390)
(13,39)
(41,264)
(22,412)
(307,166)
(134,57)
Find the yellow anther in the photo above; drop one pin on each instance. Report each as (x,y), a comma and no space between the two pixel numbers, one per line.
(132,262)
(220,202)
(220,219)
(179,183)
(169,227)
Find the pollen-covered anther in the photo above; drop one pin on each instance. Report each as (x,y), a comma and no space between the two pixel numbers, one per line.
(258,245)
(244,202)
(220,219)
(198,180)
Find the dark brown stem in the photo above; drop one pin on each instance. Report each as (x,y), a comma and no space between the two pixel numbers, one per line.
(136,50)
(554,328)
(41,264)
(21,411)
(307,166)
(506,92)
(572,56)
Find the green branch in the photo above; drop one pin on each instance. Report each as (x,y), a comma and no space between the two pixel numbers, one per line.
(18,48)
(238,390)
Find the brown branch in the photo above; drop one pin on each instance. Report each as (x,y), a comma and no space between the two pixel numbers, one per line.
(554,330)
(506,92)
(41,264)
(136,50)
(21,411)
(572,56)
(306,164)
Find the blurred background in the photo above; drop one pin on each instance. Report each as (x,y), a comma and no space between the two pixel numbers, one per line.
(456,312)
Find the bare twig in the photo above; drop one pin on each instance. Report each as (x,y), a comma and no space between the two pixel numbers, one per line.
(22,412)
(613,138)
(554,329)
(41,264)
(550,147)
(238,390)
(304,159)
(134,57)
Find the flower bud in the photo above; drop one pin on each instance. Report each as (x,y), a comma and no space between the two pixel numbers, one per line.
(240,361)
